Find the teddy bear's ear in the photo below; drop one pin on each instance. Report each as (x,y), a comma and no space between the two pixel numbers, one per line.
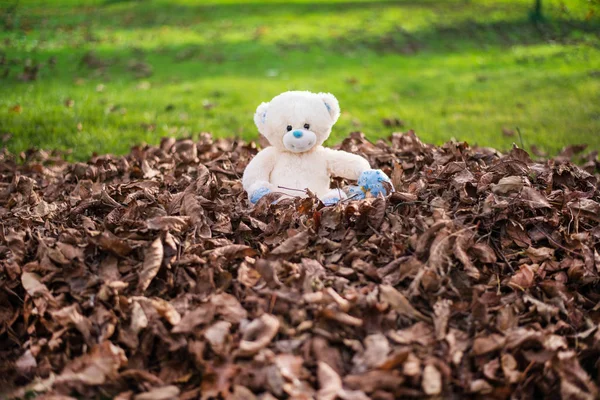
(260,117)
(332,105)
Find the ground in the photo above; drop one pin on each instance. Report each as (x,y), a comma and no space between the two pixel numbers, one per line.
(150,277)
(100,76)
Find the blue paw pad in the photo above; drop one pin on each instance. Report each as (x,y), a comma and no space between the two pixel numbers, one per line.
(372,181)
(355,193)
(258,194)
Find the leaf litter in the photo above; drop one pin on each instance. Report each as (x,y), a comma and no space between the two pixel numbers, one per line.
(148,276)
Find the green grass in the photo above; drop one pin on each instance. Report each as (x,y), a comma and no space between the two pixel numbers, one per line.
(461,69)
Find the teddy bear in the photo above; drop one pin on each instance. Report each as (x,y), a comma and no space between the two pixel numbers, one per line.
(296,123)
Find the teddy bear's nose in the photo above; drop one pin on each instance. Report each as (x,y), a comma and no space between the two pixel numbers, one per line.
(297,134)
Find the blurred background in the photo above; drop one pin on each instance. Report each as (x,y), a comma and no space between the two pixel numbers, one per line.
(102,75)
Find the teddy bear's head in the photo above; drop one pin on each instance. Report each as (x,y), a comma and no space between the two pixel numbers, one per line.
(297,121)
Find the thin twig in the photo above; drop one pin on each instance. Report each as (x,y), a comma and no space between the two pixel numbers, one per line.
(553,241)
(348,198)
(296,190)
(502,256)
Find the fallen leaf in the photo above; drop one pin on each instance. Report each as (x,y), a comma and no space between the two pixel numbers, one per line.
(152,262)
(432,380)
(94,368)
(488,344)
(292,245)
(163,393)
(523,278)
(31,283)
(228,307)
(375,353)
(26,363)
(329,381)
(258,334)
(508,184)
(400,303)
(70,315)
(199,316)
(539,254)
(216,335)
(167,223)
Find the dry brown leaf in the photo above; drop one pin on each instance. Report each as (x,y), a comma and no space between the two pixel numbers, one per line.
(292,245)
(432,380)
(167,223)
(523,278)
(94,368)
(420,333)
(139,320)
(152,262)
(166,310)
(26,363)
(510,368)
(534,198)
(31,283)
(232,251)
(329,381)
(461,246)
(70,315)
(400,303)
(441,309)
(587,206)
(216,335)
(170,392)
(108,241)
(375,353)
(198,316)
(488,344)
(258,334)
(483,253)
(508,184)
(228,307)
(539,254)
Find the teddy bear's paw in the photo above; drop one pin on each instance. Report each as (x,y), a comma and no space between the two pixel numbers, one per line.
(258,194)
(375,181)
(333,197)
(331,201)
(355,193)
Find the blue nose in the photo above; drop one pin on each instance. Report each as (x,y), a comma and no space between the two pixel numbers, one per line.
(297,134)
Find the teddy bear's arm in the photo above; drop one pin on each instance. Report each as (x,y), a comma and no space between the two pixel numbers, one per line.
(345,165)
(258,171)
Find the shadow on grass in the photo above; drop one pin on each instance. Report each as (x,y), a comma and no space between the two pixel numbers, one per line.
(150,15)
(251,57)
(133,14)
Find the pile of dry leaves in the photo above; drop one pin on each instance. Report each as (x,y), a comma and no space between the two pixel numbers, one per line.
(149,277)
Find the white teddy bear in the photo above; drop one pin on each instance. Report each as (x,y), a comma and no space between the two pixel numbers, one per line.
(296,124)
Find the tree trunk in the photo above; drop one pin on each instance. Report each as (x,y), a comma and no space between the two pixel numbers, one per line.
(536,13)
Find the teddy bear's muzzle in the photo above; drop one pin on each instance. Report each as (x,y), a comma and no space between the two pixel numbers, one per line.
(299,140)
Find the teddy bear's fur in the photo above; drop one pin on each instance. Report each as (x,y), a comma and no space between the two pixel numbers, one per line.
(296,124)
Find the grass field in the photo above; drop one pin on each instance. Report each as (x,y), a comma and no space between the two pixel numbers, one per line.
(100,76)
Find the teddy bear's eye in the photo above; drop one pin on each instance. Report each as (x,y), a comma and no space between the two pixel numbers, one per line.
(306,126)
(289,128)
